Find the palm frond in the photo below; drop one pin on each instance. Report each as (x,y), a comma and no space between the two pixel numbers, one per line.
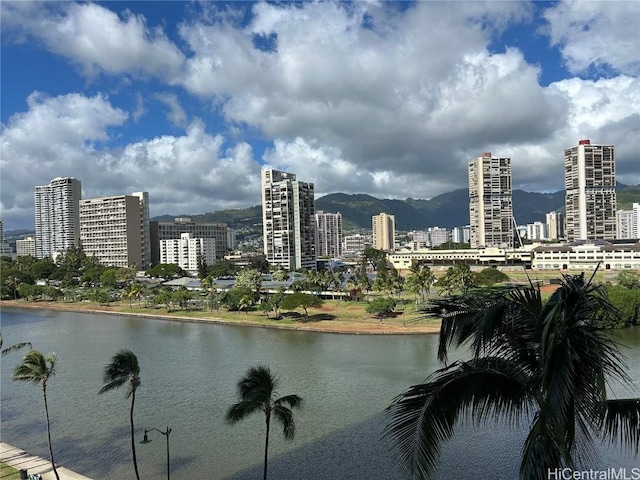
(123,369)
(543,449)
(285,416)
(17,346)
(35,367)
(240,410)
(422,418)
(620,422)
(294,401)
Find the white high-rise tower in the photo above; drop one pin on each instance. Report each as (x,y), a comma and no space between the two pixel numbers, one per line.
(288,220)
(57,216)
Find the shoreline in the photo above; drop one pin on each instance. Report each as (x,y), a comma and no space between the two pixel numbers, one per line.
(331,326)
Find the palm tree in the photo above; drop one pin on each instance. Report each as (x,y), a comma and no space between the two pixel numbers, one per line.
(124,369)
(547,364)
(38,368)
(257,391)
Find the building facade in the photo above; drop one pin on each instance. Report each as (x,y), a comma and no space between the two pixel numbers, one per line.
(461,234)
(26,247)
(328,235)
(490,202)
(555,225)
(384,231)
(354,243)
(288,220)
(636,221)
(111,230)
(590,191)
(187,251)
(57,216)
(537,231)
(172,230)
(624,224)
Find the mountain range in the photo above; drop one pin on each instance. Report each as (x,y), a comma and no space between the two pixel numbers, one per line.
(447,210)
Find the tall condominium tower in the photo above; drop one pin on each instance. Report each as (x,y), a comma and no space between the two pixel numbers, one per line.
(490,203)
(328,235)
(590,191)
(112,229)
(57,216)
(288,220)
(384,231)
(555,225)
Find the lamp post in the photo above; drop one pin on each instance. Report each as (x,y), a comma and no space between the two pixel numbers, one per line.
(166,433)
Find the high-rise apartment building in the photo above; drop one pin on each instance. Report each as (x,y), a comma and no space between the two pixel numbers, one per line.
(288,220)
(537,231)
(490,202)
(187,251)
(384,231)
(173,231)
(635,233)
(57,216)
(328,235)
(461,234)
(112,229)
(555,225)
(590,191)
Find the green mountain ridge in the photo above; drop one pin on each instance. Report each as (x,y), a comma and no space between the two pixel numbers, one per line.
(447,210)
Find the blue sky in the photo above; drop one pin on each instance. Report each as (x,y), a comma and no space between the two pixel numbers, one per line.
(188,100)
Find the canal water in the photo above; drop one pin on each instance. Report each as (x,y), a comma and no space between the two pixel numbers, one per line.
(189,373)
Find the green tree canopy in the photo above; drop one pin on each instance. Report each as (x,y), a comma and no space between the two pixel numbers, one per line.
(167,271)
(301,300)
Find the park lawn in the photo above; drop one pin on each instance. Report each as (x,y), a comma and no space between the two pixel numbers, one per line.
(7,472)
(334,315)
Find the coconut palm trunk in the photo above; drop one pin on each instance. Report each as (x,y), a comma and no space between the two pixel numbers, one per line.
(133,440)
(266,446)
(46,412)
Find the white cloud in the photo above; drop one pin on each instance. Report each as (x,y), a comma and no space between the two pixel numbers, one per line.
(193,173)
(596,34)
(96,38)
(361,97)
(176,115)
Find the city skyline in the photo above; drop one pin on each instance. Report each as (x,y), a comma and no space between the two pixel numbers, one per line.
(190,100)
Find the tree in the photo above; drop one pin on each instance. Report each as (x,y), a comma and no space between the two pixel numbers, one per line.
(526,357)
(628,279)
(124,370)
(381,307)
(38,368)
(281,275)
(166,270)
(491,276)
(249,279)
(236,299)
(458,278)
(257,391)
(303,300)
(420,280)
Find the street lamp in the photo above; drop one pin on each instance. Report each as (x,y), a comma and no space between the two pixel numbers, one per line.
(166,433)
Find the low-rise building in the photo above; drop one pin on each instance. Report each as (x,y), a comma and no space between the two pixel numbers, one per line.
(587,256)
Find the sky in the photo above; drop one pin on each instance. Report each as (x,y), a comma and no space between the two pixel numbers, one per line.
(189,100)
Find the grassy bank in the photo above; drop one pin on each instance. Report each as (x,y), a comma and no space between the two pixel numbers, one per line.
(334,316)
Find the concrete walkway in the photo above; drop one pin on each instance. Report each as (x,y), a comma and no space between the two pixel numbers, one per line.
(20,459)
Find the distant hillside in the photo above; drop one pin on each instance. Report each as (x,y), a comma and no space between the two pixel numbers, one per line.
(447,210)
